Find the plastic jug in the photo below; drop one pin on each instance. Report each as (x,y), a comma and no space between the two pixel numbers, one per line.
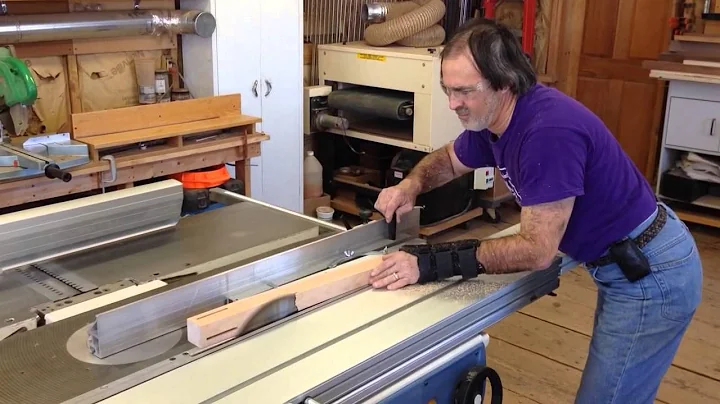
(313,176)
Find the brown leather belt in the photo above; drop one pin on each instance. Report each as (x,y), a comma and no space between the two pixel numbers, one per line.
(642,240)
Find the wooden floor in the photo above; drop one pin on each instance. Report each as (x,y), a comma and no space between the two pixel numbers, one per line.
(540,352)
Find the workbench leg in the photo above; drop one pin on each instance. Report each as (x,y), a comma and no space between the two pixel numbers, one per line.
(242,172)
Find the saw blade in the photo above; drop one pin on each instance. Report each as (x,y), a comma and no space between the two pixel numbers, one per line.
(272,311)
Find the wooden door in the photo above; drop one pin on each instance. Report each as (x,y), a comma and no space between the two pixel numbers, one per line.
(618,35)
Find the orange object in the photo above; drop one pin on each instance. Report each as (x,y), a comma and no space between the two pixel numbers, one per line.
(208,178)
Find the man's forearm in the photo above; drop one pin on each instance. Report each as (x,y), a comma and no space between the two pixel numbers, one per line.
(512,254)
(434,170)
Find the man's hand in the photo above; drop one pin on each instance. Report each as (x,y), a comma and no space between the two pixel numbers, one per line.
(398,269)
(399,199)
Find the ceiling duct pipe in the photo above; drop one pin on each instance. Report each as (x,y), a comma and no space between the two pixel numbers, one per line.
(104,24)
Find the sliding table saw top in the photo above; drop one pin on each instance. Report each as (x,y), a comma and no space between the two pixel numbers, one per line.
(329,352)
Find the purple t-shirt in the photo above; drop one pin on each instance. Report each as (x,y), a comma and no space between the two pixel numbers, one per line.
(555,148)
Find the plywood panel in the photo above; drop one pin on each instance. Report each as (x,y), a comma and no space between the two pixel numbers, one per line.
(635,129)
(600,96)
(649,29)
(614,69)
(600,20)
(612,81)
(623,29)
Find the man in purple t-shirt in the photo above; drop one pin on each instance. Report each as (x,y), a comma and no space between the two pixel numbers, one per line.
(580,194)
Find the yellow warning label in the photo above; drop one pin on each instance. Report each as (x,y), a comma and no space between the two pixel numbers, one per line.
(368,56)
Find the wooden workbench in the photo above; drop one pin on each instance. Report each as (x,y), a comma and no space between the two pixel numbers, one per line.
(198,133)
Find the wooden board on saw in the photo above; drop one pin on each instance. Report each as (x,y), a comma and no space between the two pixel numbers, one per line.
(231,320)
(172,124)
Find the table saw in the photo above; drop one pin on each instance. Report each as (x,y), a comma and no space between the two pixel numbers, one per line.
(96,293)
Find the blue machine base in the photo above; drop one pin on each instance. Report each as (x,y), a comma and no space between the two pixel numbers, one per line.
(439,386)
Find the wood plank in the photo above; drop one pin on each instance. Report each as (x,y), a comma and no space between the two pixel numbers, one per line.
(635,131)
(706,63)
(623,29)
(574,308)
(144,117)
(535,377)
(74,86)
(162,154)
(612,69)
(699,217)
(231,320)
(600,20)
(715,39)
(649,34)
(145,135)
(123,44)
(93,46)
(680,68)
(568,63)
(698,78)
(511,397)
(555,38)
(570,348)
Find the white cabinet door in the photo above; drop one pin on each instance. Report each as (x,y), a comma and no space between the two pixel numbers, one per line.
(238,51)
(693,124)
(282,91)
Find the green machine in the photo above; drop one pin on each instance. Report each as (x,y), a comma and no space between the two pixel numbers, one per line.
(18,93)
(21,156)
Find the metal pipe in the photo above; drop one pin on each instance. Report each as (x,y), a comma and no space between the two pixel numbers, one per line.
(104,24)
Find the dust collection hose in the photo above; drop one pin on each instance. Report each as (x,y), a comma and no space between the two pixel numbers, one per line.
(408,23)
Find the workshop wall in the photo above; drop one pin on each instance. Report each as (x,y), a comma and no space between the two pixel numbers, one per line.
(88,75)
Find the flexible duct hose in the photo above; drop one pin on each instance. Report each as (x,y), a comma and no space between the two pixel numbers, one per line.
(433,36)
(416,27)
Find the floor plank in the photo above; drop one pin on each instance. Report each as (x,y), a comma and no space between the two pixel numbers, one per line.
(569,348)
(538,378)
(540,351)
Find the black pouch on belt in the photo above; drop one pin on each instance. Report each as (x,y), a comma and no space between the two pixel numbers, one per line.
(630,258)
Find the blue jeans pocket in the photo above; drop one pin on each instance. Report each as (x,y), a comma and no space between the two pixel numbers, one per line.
(677,271)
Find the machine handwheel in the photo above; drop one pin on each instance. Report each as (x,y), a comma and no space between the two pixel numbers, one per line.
(471,388)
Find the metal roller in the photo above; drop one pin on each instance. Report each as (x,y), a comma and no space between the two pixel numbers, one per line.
(373,102)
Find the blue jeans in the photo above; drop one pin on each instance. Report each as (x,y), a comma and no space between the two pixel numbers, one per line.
(638,326)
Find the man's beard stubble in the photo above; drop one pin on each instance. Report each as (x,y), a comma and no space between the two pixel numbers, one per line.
(479,123)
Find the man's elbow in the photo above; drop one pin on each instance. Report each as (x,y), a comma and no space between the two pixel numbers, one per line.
(544,259)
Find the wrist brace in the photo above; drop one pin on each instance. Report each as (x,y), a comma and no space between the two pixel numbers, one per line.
(445,260)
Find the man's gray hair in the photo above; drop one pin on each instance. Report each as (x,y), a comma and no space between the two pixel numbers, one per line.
(496,52)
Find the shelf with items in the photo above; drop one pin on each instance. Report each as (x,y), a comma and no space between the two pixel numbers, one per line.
(689,164)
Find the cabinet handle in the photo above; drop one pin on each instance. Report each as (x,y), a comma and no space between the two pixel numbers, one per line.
(712,127)
(269,87)
(254,88)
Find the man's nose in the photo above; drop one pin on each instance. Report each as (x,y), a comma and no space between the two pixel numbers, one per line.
(454,101)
